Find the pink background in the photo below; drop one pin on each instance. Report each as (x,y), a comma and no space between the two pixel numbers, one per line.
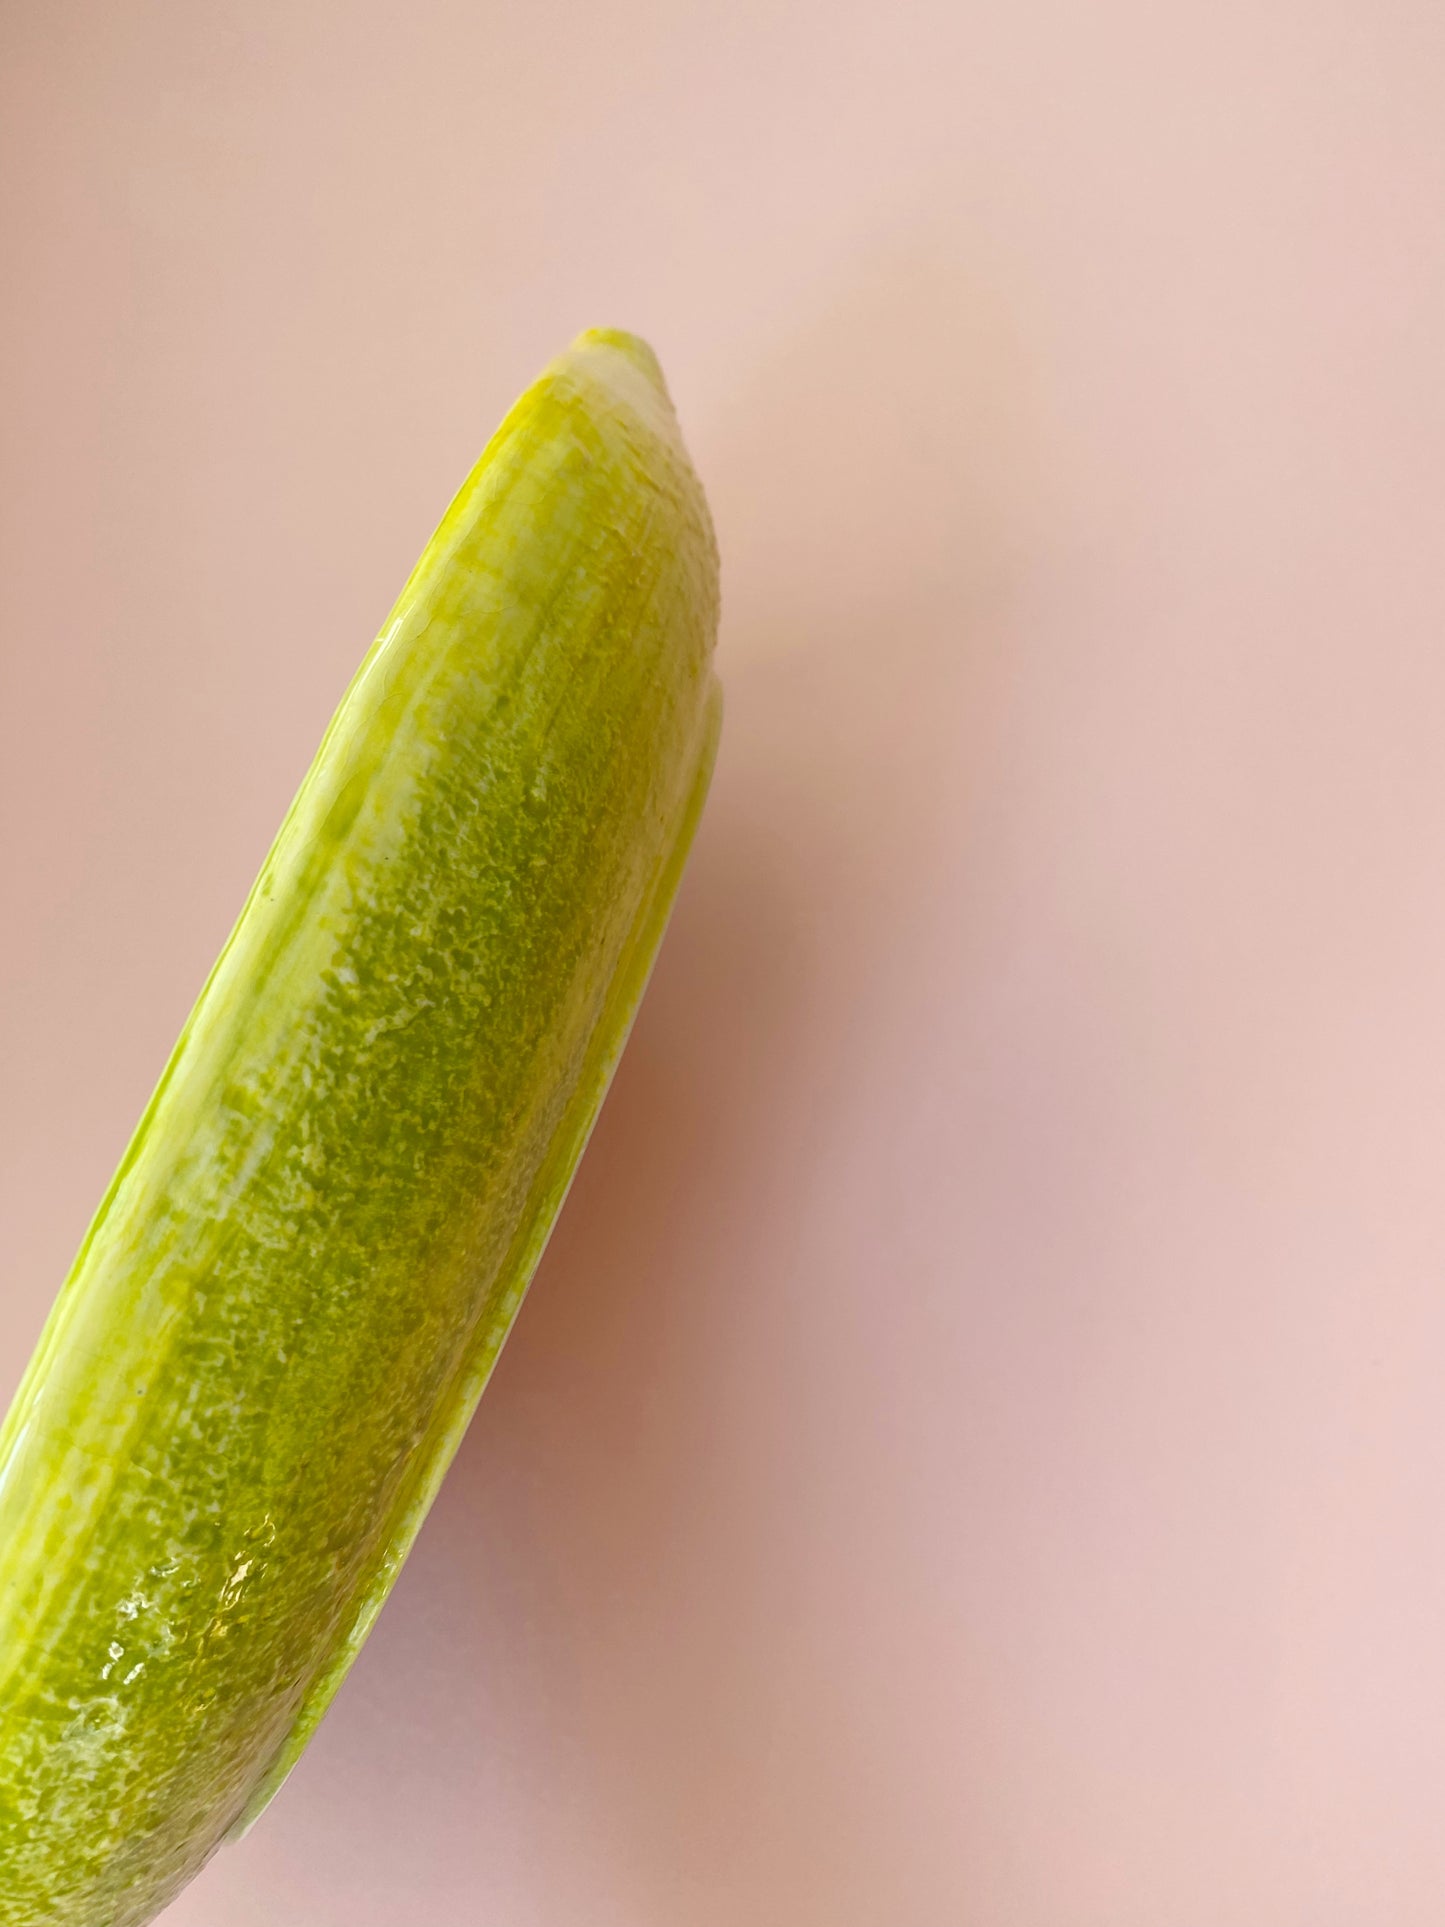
(975,1453)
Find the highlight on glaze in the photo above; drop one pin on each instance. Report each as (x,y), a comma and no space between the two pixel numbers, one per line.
(303,1271)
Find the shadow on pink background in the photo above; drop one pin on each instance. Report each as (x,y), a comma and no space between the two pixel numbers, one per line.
(972,1453)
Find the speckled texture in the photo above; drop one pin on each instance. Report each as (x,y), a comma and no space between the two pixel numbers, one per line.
(293,1291)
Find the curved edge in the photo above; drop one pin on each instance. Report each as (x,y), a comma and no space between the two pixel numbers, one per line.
(553,1182)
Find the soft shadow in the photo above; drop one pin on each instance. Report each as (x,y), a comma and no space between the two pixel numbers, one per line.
(600,1691)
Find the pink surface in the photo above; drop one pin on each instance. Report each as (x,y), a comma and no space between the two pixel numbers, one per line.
(975,1450)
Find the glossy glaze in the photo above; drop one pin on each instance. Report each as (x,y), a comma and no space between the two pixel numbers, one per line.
(294,1289)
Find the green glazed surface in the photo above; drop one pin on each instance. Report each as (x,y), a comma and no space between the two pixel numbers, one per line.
(293,1292)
